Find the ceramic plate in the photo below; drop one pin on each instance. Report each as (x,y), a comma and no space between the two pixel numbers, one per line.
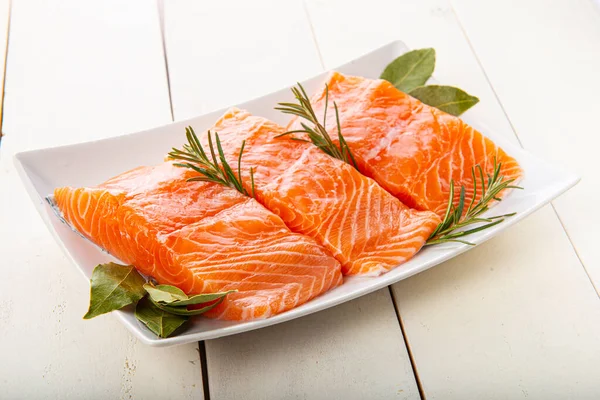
(87,164)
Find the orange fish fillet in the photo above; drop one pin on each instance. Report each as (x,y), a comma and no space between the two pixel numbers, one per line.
(411,149)
(368,230)
(201,237)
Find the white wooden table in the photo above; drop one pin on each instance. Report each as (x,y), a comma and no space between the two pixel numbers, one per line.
(518,317)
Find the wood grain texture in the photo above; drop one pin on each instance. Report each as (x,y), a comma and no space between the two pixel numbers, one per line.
(222,53)
(550,93)
(516,317)
(76,71)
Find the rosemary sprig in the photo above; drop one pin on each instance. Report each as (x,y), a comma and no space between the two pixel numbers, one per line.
(450,229)
(317,133)
(214,169)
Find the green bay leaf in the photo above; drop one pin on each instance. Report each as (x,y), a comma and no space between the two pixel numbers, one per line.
(450,99)
(113,286)
(411,69)
(202,298)
(160,322)
(165,293)
(183,310)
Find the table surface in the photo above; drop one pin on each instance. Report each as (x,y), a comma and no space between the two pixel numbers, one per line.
(517,317)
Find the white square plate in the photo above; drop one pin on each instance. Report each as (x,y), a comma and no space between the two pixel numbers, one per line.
(87,164)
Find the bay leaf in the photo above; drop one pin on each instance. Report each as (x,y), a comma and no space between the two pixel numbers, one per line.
(184,311)
(165,293)
(450,99)
(202,298)
(113,286)
(160,322)
(173,296)
(411,69)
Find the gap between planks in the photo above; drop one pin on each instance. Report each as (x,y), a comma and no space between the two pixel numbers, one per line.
(4,73)
(161,20)
(201,345)
(204,368)
(408,349)
(513,129)
(313,34)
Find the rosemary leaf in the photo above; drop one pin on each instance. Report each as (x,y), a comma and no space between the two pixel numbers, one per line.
(450,229)
(215,169)
(317,134)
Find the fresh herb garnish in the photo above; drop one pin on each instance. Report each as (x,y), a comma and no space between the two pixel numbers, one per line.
(317,134)
(410,72)
(162,308)
(457,217)
(214,169)
(184,311)
(450,99)
(174,300)
(165,293)
(113,286)
(411,69)
(160,322)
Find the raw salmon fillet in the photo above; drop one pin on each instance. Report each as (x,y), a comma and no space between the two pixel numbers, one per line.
(411,149)
(368,230)
(201,237)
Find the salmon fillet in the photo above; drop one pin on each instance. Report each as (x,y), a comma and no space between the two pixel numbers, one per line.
(368,230)
(411,149)
(201,237)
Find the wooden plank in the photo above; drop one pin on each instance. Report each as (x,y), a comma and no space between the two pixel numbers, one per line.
(352,351)
(76,71)
(516,317)
(551,96)
(220,53)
